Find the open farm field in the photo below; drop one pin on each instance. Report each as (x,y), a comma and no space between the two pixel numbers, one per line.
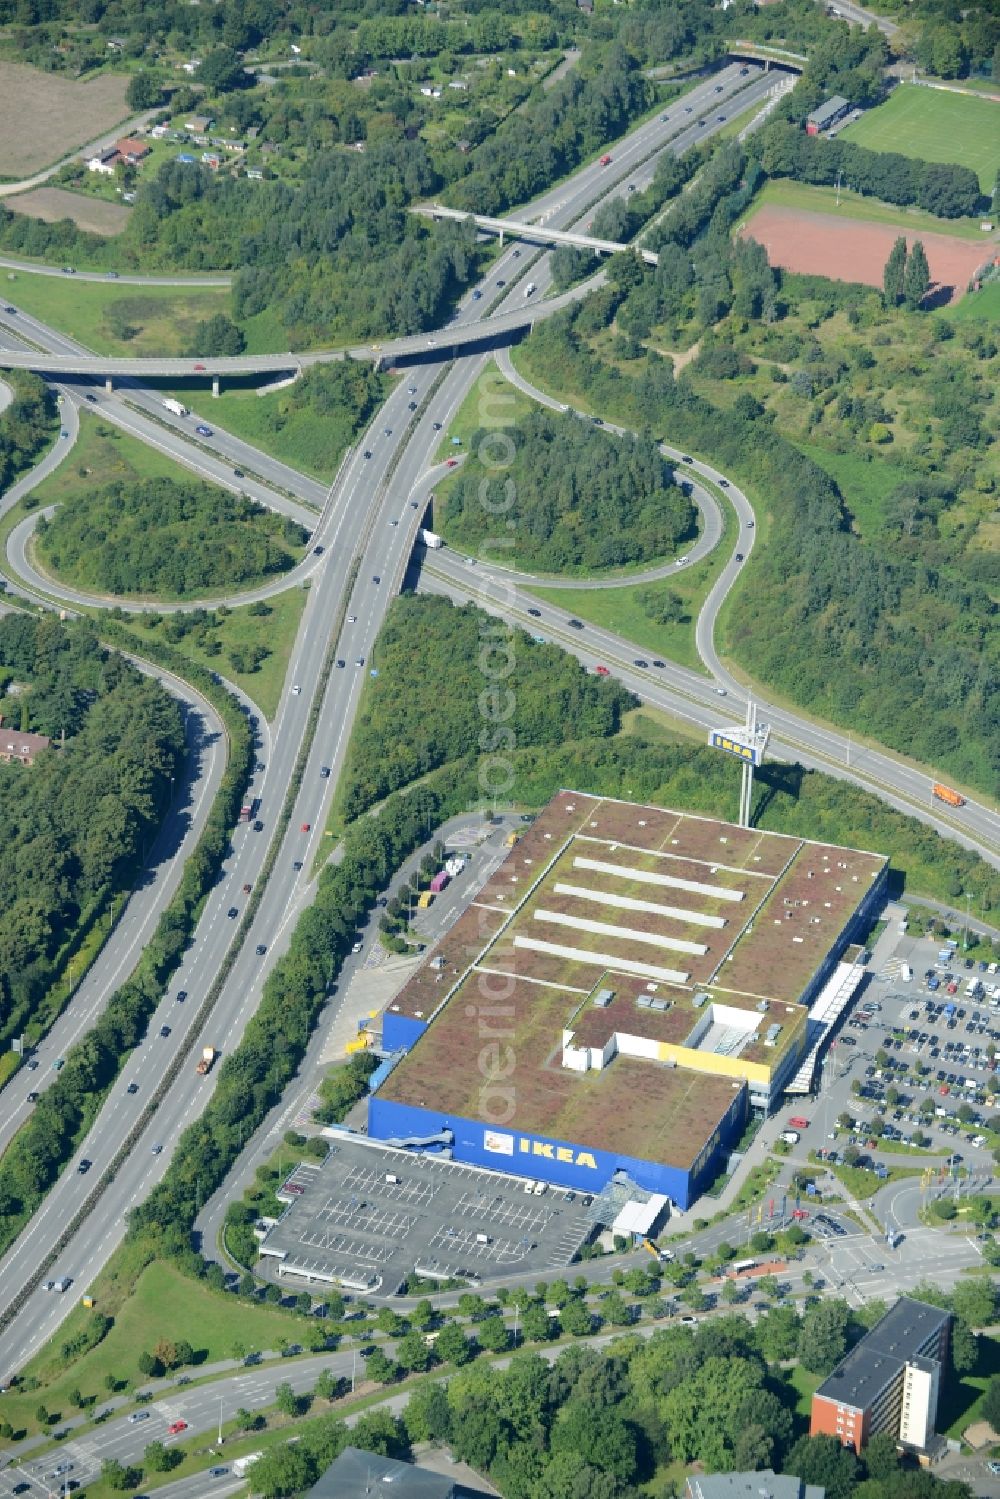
(44,117)
(50,204)
(934,126)
(820,244)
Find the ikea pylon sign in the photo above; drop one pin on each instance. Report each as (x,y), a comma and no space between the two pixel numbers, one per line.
(751,753)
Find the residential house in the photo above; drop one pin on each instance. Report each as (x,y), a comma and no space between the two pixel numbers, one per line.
(132,150)
(20,747)
(103,161)
(199,124)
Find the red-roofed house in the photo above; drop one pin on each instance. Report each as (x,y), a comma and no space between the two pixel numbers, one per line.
(133,151)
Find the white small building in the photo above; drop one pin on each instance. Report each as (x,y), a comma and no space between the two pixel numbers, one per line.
(103,162)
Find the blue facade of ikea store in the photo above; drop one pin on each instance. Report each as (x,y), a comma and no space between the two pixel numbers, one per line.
(558,1162)
(400,1032)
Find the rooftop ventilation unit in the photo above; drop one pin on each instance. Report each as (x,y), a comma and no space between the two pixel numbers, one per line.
(659,1004)
(644,1002)
(603,998)
(771,1037)
(700,999)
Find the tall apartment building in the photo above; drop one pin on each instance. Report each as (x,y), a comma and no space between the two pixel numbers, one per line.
(890,1381)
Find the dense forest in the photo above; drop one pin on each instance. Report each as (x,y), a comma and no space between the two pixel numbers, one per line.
(571,498)
(25,425)
(73,824)
(406,727)
(864,634)
(166,538)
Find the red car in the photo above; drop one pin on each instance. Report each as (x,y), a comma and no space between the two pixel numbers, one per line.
(602,671)
(605,161)
(306,826)
(199,369)
(797,1122)
(944,1090)
(452,463)
(175,1427)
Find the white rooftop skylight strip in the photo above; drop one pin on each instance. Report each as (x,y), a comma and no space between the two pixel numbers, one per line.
(630,903)
(649,877)
(623,933)
(603,960)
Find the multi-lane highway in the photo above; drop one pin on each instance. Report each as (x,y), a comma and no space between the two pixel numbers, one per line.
(367,528)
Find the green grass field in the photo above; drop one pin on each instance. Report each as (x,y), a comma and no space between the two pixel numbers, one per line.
(276,630)
(213,1323)
(492,403)
(865,486)
(981,306)
(104,455)
(619,608)
(784,193)
(311,442)
(934,126)
(95,312)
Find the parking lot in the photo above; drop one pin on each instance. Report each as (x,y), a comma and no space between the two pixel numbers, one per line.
(370,1216)
(921,1043)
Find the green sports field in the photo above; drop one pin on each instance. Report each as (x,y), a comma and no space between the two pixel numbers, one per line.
(923,122)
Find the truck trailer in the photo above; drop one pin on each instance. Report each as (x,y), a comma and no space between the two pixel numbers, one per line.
(207,1061)
(176,407)
(430,539)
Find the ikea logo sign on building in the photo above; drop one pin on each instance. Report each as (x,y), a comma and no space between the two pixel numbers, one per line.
(498,1143)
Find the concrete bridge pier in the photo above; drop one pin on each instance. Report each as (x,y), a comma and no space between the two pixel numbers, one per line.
(109,384)
(215,385)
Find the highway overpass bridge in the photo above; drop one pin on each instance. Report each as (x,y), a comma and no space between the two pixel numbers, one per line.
(536,234)
(473,338)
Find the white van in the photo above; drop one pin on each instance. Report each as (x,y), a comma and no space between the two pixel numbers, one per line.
(790,1136)
(906,973)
